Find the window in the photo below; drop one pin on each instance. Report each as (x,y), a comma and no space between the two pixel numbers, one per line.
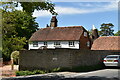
(45,43)
(35,44)
(88,44)
(85,34)
(56,43)
(71,43)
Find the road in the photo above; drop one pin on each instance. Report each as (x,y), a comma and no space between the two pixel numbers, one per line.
(105,74)
(108,73)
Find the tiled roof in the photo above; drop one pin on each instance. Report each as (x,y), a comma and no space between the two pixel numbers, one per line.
(58,33)
(107,43)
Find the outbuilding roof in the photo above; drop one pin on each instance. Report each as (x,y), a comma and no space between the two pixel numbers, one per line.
(58,33)
(107,43)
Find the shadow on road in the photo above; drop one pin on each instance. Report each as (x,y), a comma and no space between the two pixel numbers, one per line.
(112,67)
(61,78)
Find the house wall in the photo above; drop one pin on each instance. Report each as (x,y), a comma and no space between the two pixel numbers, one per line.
(68,58)
(64,44)
(84,41)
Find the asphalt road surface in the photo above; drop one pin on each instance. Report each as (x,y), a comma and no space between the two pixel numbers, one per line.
(108,73)
(105,74)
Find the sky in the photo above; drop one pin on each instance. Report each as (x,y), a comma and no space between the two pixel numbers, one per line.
(84,14)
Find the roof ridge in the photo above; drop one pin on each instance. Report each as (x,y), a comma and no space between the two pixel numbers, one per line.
(65,27)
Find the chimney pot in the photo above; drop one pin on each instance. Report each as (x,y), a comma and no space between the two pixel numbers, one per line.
(53,22)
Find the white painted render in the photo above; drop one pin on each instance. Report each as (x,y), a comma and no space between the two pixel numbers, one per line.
(50,44)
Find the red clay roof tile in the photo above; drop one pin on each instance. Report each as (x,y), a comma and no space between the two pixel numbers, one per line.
(58,33)
(107,43)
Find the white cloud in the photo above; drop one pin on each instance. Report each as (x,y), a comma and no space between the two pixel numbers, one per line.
(84,0)
(69,10)
(41,13)
(85,4)
(112,6)
(72,10)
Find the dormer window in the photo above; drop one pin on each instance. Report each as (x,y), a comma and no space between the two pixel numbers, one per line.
(85,34)
(35,44)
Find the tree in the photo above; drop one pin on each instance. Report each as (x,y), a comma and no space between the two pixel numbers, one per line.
(117,33)
(38,6)
(17,26)
(10,45)
(106,29)
(90,32)
(18,23)
(29,7)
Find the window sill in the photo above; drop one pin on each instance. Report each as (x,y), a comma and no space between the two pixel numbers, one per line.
(35,46)
(71,46)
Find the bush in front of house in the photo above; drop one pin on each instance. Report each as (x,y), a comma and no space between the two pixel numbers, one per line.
(25,73)
(39,72)
(15,56)
(55,69)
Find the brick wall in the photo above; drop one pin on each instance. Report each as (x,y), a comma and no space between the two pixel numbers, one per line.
(49,59)
(83,42)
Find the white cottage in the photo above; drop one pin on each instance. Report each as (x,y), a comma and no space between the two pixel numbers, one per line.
(73,37)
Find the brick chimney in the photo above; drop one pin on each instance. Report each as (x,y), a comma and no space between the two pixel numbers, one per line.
(53,22)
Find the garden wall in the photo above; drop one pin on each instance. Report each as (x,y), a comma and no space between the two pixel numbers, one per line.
(67,58)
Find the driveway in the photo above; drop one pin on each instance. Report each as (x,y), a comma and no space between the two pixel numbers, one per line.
(6,71)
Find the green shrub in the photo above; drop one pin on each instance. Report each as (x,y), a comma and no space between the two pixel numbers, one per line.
(25,73)
(39,72)
(15,56)
(55,69)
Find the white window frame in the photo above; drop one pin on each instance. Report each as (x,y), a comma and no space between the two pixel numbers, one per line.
(45,43)
(71,43)
(35,44)
(85,34)
(57,43)
(88,44)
